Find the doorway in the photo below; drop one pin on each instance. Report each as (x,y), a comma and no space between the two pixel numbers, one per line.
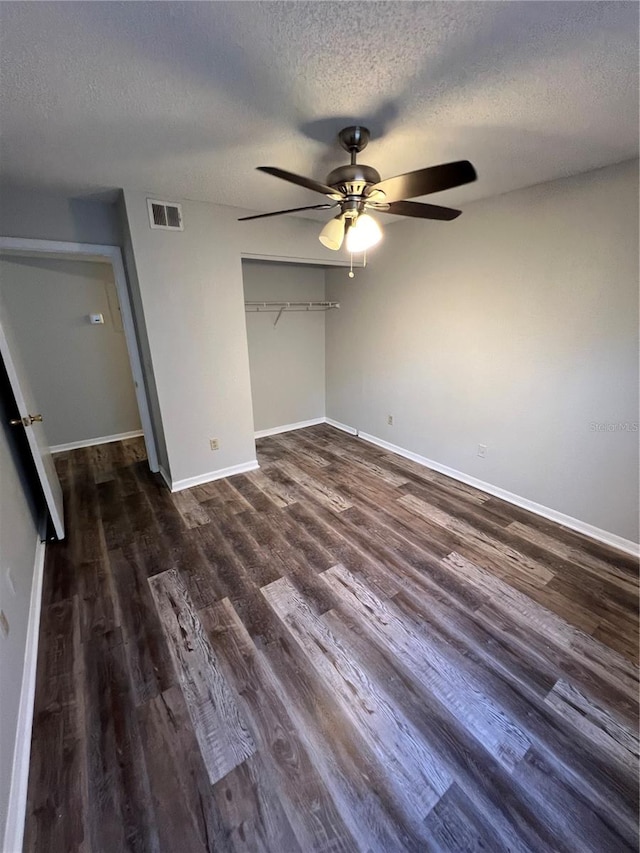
(72,331)
(67,315)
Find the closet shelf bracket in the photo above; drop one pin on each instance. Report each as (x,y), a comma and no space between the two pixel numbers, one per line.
(280,307)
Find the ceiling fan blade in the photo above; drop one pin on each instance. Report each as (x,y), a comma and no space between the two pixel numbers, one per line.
(422,211)
(433,179)
(301,181)
(290,210)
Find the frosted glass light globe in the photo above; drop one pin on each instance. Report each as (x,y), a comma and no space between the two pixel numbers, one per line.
(332,234)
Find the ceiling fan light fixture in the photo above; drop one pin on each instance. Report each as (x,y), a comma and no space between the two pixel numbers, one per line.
(332,234)
(357,187)
(363,234)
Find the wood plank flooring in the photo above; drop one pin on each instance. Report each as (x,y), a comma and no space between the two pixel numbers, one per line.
(341,651)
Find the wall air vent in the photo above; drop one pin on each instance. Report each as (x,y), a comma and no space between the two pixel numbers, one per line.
(165,215)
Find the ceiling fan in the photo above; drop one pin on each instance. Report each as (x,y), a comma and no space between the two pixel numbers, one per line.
(357,188)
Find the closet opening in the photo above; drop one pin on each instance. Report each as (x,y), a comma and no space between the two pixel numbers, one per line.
(286,311)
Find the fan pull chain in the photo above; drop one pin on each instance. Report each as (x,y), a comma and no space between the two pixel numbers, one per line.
(351,266)
(364,259)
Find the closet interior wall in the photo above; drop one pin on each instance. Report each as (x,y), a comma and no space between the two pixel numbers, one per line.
(287,358)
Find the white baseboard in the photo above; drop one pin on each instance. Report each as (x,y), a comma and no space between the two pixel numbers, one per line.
(343,427)
(14,828)
(93,442)
(179,485)
(589,530)
(263,433)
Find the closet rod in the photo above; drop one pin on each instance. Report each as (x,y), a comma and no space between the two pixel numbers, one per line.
(275,306)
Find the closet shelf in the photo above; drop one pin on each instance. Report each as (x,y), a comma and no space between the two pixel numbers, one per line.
(279,307)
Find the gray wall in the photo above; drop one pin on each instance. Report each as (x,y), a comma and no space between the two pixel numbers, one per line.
(18,538)
(48,216)
(191,294)
(286,361)
(515,326)
(142,338)
(79,373)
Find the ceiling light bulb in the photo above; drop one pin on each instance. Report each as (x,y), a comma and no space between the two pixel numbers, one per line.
(332,234)
(364,234)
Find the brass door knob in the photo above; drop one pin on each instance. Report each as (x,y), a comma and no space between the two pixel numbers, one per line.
(30,419)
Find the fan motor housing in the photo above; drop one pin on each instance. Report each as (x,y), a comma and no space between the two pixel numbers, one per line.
(353,180)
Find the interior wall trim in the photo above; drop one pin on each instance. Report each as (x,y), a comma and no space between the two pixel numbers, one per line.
(93,442)
(289,259)
(343,427)
(14,828)
(589,530)
(263,433)
(220,474)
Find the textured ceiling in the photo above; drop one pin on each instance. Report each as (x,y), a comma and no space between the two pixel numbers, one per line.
(185,99)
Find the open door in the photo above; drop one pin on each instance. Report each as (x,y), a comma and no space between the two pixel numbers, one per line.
(31,421)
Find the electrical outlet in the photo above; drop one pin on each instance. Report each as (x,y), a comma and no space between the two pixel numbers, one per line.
(482,450)
(4,624)
(390,420)
(214,443)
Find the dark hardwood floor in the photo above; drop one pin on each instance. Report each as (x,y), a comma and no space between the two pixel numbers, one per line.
(342,651)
